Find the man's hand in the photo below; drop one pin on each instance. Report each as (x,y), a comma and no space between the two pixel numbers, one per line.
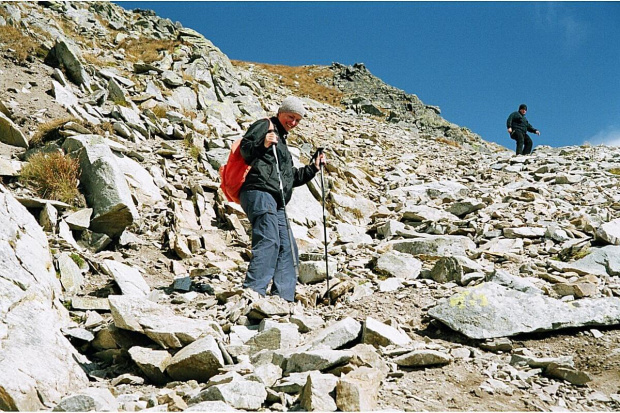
(320,159)
(510,131)
(271,138)
(537,132)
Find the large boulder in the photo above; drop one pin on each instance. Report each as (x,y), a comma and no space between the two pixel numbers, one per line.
(37,363)
(106,188)
(491,310)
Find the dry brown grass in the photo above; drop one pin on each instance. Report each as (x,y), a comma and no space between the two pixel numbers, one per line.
(448,142)
(101,128)
(147,50)
(49,131)
(22,44)
(53,176)
(302,80)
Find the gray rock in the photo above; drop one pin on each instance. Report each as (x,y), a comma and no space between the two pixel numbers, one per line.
(337,334)
(159,323)
(358,391)
(396,264)
(10,133)
(466,206)
(210,406)
(293,383)
(570,374)
(379,334)
(275,336)
(426,213)
(140,181)
(525,232)
(317,360)
(307,323)
(152,363)
(421,358)
(105,184)
(390,228)
(435,245)
(240,394)
(37,362)
(48,217)
(90,399)
(198,361)
(79,220)
(68,57)
(186,98)
(311,272)
(610,232)
(491,310)
(70,274)
(516,283)
(128,278)
(316,395)
(348,233)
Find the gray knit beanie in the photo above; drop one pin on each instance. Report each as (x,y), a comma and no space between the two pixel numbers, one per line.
(292,105)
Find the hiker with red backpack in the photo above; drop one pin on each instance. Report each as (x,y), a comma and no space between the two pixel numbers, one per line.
(267,188)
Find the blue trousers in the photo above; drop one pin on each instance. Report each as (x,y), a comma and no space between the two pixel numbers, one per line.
(271,246)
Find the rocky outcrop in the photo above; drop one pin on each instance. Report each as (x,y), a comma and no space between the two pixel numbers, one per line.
(38,363)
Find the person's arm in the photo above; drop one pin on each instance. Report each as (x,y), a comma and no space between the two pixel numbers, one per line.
(304,174)
(509,123)
(532,129)
(253,143)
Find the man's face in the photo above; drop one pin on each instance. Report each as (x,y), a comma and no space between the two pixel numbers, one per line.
(289,120)
(522,111)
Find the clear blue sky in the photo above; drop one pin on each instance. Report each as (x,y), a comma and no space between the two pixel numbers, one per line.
(477,61)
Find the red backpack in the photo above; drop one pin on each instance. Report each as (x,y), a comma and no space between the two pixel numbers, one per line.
(233,173)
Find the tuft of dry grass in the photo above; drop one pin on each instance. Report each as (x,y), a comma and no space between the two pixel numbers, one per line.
(448,142)
(302,80)
(49,130)
(160,111)
(22,44)
(147,50)
(53,176)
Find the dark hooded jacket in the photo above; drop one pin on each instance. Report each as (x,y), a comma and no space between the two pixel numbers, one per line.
(518,122)
(264,175)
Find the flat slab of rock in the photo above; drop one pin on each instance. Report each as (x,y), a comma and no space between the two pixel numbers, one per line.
(337,334)
(435,245)
(10,133)
(239,393)
(128,278)
(491,310)
(379,334)
(159,323)
(317,360)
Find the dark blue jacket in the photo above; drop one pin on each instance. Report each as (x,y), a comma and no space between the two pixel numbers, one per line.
(264,176)
(518,122)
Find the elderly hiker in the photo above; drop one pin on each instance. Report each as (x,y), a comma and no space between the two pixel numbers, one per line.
(518,126)
(261,199)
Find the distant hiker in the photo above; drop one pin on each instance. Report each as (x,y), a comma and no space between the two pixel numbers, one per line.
(262,201)
(518,126)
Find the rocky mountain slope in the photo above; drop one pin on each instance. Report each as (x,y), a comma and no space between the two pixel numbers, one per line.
(461,277)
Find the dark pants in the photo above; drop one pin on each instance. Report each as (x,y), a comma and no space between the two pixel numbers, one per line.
(524,142)
(271,247)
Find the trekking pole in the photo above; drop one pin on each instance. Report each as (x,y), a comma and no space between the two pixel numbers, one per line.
(329,297)
(288,225)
